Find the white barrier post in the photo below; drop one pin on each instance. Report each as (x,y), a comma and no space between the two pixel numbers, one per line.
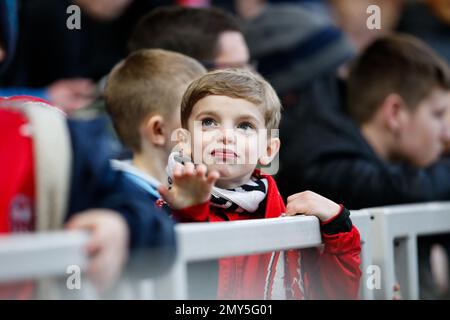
(361,219)
(173,285)
(395,231)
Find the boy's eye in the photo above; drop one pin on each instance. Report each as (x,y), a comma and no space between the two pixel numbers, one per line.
(208,122)
(246,126)
(439,114)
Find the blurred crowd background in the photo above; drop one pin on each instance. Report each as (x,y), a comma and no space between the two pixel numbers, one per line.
(64,65)
(304,48)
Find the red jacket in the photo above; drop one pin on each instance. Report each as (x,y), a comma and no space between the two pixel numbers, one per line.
(17,188)
(331,272)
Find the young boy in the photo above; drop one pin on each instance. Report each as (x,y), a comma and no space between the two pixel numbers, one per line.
(226,112)
(398,93)
(143,96)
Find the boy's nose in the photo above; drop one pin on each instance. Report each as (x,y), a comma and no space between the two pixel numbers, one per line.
(228,136)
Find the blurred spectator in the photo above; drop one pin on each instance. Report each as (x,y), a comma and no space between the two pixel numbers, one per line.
(316,131)
(52,176)
(208,35)
(51,52)
(398,93)
(352,17)
(430,21)
(250,8)
(246,8)
(327,150)
(320,7)
(294,53)
(193,3)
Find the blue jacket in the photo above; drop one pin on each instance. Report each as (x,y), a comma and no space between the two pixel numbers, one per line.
(94,184)
(8,29)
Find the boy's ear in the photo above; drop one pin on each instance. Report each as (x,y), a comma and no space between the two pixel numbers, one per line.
(394,112)
(182,137)
(273,146)
(153,130)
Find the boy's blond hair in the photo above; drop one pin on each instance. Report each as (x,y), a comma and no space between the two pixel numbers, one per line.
(147,82)
(234,83)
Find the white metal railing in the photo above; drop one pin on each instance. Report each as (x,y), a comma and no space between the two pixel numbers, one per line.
(395,230)
(39,255)
(388,237)
(49,258)
(53,257)
(207,241)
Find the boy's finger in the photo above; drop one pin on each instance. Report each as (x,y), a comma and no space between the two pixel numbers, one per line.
(177,170)
(189,169)
(212,177)
(201,170)
(295,196)
(294,208)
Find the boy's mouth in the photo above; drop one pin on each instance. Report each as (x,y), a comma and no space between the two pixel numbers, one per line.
(224,154)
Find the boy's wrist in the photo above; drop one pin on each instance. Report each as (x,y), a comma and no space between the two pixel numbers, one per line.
(330,214)
(337,224)
(182,204)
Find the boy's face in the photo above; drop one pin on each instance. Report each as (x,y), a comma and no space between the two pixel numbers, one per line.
(423,130)
(229,136)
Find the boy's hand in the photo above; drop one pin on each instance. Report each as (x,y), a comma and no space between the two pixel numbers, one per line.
(107,247)
(311,204)
(191,186)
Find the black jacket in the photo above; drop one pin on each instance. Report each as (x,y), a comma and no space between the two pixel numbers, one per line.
(48,51)
(323,151)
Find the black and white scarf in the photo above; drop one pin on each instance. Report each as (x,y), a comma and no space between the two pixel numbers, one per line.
(245,198)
